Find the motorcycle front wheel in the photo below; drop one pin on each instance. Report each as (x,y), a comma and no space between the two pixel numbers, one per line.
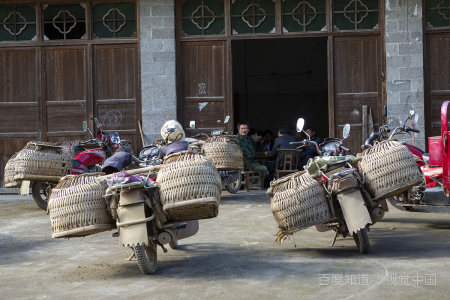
(41,193)
(362,241)
(146,257)
(234,187)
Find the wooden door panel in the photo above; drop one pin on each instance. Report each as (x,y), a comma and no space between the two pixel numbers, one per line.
(116,72)
(203,82)
(59,122)
(19,109)
(357,69)
(65,92)
(115,91)
(18,80)
(208,114)
(65,73)
(437,81)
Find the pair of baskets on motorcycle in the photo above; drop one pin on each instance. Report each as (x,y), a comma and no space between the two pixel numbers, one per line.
(334,194)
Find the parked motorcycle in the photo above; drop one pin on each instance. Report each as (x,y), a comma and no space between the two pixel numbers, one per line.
(89,157)
(352,209)
(141,222)
(431,195)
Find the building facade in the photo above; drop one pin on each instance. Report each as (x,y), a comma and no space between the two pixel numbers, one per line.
(136,64)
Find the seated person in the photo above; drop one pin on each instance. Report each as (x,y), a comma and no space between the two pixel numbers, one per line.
(268,142)
(312,134)
(309,151)
(246,144)
(257,135)
(282,142)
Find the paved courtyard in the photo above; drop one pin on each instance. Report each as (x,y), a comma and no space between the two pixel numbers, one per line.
(232,257)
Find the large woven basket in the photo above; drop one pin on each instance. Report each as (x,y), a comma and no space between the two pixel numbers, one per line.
(9,174)
(42,161)
(190,187)
(297,201)
(224,152)
(77,207)
(389,169)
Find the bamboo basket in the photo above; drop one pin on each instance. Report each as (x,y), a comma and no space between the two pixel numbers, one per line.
(42,161)
(77,207)
(388,169)
(224,151)
(9,174)
(190,187)
(297,202)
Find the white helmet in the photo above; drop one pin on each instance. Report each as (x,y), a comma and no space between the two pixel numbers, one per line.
(177,135)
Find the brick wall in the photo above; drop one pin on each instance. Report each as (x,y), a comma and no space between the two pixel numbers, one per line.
(404,65)
(157,32)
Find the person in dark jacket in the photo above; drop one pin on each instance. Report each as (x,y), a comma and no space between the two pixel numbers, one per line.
(246,144)
(309,151)
(282,142)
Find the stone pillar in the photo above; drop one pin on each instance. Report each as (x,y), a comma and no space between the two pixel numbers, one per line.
(404,65)
(157,35)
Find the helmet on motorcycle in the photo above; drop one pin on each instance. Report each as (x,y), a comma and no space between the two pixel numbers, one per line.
(173,130)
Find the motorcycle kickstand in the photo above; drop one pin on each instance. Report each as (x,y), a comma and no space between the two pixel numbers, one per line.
(133,255)
(334,239)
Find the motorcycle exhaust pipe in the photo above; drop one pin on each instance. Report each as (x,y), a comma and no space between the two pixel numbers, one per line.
(376,214)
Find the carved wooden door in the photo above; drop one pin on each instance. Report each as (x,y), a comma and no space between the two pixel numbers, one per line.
(357,82)
(204,85)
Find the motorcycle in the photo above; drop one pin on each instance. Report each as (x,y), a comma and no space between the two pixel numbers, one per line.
(140,219)
(351,206)
(431,195)
(89,156)
(231,179)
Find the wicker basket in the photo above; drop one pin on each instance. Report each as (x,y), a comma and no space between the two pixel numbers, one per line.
(389,169)
(42,161)
(297,201)
(224,152)
(190,187)
(77,207)
(9,174)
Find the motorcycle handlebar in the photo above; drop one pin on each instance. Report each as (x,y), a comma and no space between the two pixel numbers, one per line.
(413,130)
(296,143)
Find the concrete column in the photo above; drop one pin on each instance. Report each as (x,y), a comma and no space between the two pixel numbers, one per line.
(157,34)
(404,65)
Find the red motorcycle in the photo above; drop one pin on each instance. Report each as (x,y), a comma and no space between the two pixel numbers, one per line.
(89,156)
(432,195)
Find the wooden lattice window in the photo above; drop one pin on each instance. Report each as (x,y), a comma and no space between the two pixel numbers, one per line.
(438,13)
(304,15)
(202,17)
(356,14)
(64,21)
(253,16)
(114,20)
(17,23)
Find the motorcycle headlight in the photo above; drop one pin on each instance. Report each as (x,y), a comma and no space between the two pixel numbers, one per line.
(148,153)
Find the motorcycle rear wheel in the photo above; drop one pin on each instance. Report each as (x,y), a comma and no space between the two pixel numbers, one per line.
(41,193)
(146,257)
(362,241)
(234,187)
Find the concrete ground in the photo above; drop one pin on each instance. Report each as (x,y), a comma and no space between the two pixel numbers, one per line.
(233,256)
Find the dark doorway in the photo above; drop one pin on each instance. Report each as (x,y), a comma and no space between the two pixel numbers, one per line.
(277,81)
